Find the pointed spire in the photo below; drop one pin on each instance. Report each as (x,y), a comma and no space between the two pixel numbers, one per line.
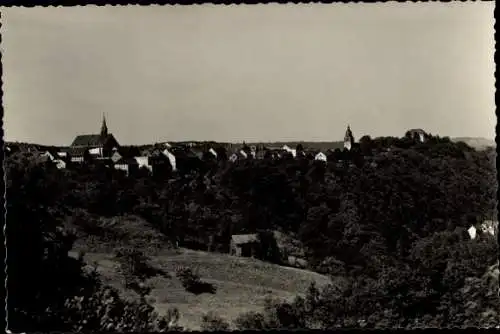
(104,128)
(348,138)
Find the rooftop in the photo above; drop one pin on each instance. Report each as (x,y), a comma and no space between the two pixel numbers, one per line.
(239,239)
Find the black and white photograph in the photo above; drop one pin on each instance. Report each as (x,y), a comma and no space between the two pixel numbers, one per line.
(250,167)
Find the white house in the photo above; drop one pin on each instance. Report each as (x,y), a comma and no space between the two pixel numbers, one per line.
(171,158)
(289,150)
(472,232)
(47,154)
(143,162)
(321,157)
(212,151)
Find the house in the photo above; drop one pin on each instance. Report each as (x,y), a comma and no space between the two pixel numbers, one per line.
(171,158)
(240,154)
(489,226)
(244,245)
(243,154)
(143,162)
(95,145)
(159,162)
(50,156)
(472,232)
(212,151)
(233,157)
(289,150)
(58,159)
(320,156)
(486,227)
(129,166)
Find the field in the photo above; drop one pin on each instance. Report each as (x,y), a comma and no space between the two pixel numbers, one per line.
(242,283)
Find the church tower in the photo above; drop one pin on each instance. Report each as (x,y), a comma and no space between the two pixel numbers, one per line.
(104,128)
(348,139)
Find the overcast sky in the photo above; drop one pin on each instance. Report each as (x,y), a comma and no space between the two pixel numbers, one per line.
(248,72)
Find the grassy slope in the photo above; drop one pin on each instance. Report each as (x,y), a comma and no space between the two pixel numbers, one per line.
(242,283)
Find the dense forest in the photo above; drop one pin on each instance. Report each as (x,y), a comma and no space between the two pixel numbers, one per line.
(387,219)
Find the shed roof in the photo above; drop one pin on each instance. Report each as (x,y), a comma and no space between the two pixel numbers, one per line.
(239,239)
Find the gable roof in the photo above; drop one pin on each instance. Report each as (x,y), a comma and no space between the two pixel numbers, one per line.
(87,140)
(91,140)
(239,239)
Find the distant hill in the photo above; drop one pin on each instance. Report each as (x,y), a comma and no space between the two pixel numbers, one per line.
(318,145)
(476,142)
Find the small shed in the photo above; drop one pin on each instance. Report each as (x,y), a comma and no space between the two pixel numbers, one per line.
(244,245)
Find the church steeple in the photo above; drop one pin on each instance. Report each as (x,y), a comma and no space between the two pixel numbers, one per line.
(348,138)
(104,128)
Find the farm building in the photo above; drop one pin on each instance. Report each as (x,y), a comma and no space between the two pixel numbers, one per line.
(244,245)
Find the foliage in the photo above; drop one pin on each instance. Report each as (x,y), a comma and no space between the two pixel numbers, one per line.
(104,310)
(192,282)
(212,322)
(63,297)
(388,217)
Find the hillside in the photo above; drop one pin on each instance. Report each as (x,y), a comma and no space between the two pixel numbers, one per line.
(242,283)
(476,142)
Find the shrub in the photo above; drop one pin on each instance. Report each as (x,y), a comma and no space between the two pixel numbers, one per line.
(251,321)
(187,277)
(135,263)
(103,310)
(212,322)
(192,282)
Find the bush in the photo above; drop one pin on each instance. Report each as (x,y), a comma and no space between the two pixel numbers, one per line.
(133,262)
(103,310)
(192,282)
(251,321)
(187,277)
(212,322)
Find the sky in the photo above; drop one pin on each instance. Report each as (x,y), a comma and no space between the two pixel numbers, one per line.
(248,72)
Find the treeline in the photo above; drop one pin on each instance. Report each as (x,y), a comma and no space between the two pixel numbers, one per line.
(389,218)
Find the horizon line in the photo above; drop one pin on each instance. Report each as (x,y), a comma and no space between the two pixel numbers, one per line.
(283,141)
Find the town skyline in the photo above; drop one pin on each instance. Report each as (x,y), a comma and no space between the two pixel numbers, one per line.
(265,73)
